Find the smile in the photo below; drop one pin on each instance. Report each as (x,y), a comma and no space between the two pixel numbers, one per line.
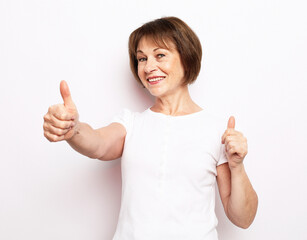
(155,80)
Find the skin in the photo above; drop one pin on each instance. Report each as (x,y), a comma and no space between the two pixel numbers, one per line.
(61,122)
(172,98)
(239,199)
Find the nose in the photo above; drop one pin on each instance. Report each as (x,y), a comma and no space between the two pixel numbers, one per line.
(150,65)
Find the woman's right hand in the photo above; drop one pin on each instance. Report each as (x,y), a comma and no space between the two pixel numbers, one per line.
(62,120)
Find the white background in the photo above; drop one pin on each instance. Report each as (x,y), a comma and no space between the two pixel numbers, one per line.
(254,67)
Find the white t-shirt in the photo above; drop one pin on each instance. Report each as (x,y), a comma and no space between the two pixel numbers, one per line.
(168,175)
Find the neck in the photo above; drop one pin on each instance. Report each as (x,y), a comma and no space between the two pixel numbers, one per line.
(176,104)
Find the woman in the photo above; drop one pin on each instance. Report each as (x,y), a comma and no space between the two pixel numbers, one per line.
(172,153)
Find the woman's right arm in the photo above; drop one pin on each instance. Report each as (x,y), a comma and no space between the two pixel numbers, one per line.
(62,123)
(106,143)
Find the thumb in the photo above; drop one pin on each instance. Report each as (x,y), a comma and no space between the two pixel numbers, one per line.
(231,123)
(68,102)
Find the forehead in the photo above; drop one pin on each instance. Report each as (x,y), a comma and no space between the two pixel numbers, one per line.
(150,42)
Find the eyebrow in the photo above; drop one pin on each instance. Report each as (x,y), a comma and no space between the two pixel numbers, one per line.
(140,51)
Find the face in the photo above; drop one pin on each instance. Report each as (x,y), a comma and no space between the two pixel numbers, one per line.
(159,69)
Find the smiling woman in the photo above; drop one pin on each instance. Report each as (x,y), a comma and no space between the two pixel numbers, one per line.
(173,153)
(159,69)
(165,33)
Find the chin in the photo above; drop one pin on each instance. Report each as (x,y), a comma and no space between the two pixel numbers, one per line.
(158,95)
(156,92)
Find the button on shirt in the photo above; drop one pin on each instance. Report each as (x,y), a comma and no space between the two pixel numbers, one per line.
(169,175)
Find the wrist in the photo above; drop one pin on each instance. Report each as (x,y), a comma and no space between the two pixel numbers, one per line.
(239,168)
(75,130)
(77,127)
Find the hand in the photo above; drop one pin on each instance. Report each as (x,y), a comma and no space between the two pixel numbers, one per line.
(235,145)
(61,120)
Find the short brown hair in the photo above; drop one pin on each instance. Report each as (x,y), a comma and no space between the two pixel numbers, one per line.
(180,34)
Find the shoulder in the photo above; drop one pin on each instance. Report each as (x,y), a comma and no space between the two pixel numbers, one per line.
(125,117)
(214,120)
(125,113)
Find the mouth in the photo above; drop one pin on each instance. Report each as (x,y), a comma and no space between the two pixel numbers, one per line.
(155,80)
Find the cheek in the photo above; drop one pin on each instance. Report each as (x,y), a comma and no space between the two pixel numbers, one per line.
(173,67)
(180,70)
(165,68)
(141,73)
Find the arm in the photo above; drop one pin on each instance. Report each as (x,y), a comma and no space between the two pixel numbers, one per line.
(106,143)
(62,123)
(239,199)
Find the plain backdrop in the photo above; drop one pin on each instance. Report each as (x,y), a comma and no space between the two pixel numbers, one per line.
(254,68)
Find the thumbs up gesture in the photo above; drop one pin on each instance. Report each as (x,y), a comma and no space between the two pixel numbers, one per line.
(61,120)
(235,144)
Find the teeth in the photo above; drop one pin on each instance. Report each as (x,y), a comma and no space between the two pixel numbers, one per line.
(155,79)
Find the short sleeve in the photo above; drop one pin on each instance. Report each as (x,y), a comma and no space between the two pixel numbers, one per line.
(220,125)
(124,117)
(222,158)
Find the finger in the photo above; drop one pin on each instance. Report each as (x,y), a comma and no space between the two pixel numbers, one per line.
(55,131)
(232,150)
(232,145)
(63,124)
(63,116)
(60,112)
(52,137)
(231,123)
(237,152)
(236,147)
(69,134)
(229,139)
(223,138)
(64,89)
(227,133)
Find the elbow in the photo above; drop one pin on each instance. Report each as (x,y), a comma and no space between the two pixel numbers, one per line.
(99,154)
(96,155)
(250,219)
(102,158)
(245,219)
(245,225)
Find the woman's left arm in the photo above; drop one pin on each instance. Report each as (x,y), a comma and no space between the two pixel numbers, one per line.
(239,199)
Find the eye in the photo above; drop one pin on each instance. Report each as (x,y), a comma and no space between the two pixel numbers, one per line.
(160,55)
(142,59)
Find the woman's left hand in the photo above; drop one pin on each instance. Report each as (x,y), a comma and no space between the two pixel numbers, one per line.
(235,145)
